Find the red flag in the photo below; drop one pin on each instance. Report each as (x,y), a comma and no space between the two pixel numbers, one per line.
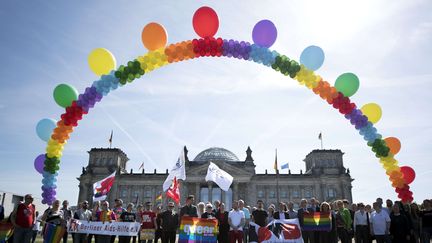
(102,187)
(174,191)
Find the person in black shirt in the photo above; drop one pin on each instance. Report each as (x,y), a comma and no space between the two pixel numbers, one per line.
(224,226)
(127,216)
(399,226)
(170,223)
(158,233)
(260,216)
(426,221)
(189,209)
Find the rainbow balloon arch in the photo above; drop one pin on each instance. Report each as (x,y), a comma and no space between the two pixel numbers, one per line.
(206,23)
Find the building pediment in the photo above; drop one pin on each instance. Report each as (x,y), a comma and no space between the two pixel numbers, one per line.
(234,169)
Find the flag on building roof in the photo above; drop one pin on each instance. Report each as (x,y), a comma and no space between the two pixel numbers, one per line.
(141,166)
(178,171)
(101,188)
(320,136)
(275,163)
(174,191)
(285,166)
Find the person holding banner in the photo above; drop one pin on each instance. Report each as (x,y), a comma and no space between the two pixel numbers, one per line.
(222,217)
(118,210)
(329,236)
(127,216)
(148,226)
(158,234)
(209,212)
(189,209)
(103,215)
(82,214)
(55,224)
(170,224)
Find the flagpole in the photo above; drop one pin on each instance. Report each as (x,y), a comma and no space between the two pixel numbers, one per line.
(322,141)
(277,180)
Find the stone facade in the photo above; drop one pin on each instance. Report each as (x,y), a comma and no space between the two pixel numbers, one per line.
(325,178)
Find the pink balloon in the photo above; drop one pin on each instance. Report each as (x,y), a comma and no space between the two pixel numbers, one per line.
(408,174)
(39,163)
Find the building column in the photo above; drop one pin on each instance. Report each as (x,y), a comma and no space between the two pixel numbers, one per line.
(210,189)
(317,192)
(235,191)
(197,192)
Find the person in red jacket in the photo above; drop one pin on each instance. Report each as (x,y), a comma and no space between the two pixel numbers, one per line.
(23,218)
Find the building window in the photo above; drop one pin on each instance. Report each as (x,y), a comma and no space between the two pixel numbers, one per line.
(228,199)
(260,193)
(204,194)
(308,193)
(124,193)
(272,194)
(136,194)
(295,193)
(216,194)
(331,193)
(148,193)
(284,194)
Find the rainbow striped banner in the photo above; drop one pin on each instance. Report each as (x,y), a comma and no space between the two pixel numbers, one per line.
(53,233)
(198,230)
(316,221)
(6,230)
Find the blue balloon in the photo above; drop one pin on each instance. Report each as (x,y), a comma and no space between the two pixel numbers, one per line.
(44,128)
(312,57)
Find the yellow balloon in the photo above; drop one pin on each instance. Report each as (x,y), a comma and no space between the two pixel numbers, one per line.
(101,61)
(372,111)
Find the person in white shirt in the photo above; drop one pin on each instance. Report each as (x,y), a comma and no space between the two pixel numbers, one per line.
(361,224)
(380,224)
(236,220)
(36,226)
(291,212)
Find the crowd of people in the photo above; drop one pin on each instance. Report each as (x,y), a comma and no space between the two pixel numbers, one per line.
(395,222)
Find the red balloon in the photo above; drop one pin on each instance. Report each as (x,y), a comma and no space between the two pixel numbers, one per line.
(205,22)
(408,174)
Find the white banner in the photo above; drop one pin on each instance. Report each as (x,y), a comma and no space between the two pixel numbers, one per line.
(105,228)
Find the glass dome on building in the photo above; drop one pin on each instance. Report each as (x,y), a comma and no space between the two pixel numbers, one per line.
(216,154)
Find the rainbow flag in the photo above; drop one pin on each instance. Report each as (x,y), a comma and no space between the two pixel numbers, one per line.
(6,230)
(316,221)
(159,198)
(198,230)
(53,233)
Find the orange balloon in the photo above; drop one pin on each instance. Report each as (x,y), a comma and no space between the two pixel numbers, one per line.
(393,144)
(154,36)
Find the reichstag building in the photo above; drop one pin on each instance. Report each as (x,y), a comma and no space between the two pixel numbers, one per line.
(324,178)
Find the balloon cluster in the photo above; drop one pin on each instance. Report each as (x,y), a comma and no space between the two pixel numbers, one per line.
(343,104)
(102,87)
(179,51)
(379,147)
(236,49)
(61,132)
(307,77)
(49,187)
(152,60)
(286,66)
(72,115)
(88,99)
(357,118)
(262,55)
(130,72)
(369,132)
(325,91)
(208,46)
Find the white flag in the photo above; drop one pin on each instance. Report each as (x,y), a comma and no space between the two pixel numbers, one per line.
(177,171)
(218,176)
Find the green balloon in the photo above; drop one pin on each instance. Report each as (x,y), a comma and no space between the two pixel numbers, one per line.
(347,84)
(64,95)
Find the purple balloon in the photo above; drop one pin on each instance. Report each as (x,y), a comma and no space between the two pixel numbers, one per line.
(39,163)
(264,33)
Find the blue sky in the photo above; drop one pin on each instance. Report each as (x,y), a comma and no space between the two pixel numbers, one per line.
(217,101)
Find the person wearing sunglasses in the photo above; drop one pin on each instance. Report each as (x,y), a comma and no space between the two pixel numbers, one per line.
(170,224)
